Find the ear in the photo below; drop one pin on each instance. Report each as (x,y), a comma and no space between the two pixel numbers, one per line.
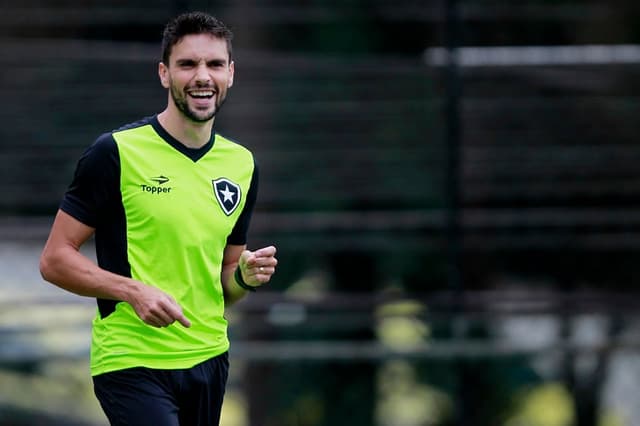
(231,72)
(163,73)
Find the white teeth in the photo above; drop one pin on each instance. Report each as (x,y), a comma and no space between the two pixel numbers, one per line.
(205,93)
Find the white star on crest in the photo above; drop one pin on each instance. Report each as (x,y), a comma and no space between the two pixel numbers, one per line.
(228,195)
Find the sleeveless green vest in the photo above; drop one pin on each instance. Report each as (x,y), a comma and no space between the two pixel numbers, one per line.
(178,216)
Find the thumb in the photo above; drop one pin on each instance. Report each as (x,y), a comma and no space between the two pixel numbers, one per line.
(244,258)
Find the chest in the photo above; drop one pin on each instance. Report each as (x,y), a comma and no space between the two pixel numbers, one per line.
(165,190)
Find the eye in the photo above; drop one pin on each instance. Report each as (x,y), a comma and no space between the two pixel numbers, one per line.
(186,64)
(217,64)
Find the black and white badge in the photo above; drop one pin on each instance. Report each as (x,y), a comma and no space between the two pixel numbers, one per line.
(227,193)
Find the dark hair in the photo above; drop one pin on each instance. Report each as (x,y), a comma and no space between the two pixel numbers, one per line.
(193,23)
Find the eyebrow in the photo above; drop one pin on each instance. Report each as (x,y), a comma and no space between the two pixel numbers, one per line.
(190,61)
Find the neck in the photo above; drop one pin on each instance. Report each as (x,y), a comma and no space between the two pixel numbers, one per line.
(187,132)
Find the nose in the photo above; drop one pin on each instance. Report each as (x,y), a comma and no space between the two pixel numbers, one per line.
(202,74)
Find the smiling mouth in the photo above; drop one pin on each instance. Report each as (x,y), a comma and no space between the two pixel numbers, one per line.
(201,94)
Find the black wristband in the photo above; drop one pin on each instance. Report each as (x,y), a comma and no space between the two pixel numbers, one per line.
(238,276)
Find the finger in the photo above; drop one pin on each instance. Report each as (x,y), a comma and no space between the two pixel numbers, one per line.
(161,321)
(262,262)
(269,251)
(271,262)
(184,321)
(175,313)
(153,322)
(149,318)
(160,318)
(266,270)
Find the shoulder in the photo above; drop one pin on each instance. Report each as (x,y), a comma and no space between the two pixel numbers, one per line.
(131,132)
(135,125)
(102,149)
(106,143)
(105,147)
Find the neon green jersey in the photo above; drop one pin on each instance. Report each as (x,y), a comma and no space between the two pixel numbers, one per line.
(179,213)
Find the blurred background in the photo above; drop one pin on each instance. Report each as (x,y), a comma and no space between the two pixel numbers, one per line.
(453,187)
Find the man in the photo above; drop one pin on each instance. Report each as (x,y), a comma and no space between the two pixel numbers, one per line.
(170,202)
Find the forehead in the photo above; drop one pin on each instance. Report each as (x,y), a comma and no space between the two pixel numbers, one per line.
(199,46)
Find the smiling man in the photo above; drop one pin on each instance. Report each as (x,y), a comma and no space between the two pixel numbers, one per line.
(169,201)
(198,71)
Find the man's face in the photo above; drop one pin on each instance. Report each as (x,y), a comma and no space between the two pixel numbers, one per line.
(198,76)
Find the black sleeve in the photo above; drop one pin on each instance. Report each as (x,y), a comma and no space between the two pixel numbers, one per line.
(239,234)
(95,183)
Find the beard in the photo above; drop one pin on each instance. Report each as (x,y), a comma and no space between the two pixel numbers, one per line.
(180,101)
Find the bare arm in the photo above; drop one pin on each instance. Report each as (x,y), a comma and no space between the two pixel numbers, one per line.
(62,264)
(256,268)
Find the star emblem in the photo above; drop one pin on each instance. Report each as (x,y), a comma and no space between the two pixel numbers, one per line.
(227,193)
